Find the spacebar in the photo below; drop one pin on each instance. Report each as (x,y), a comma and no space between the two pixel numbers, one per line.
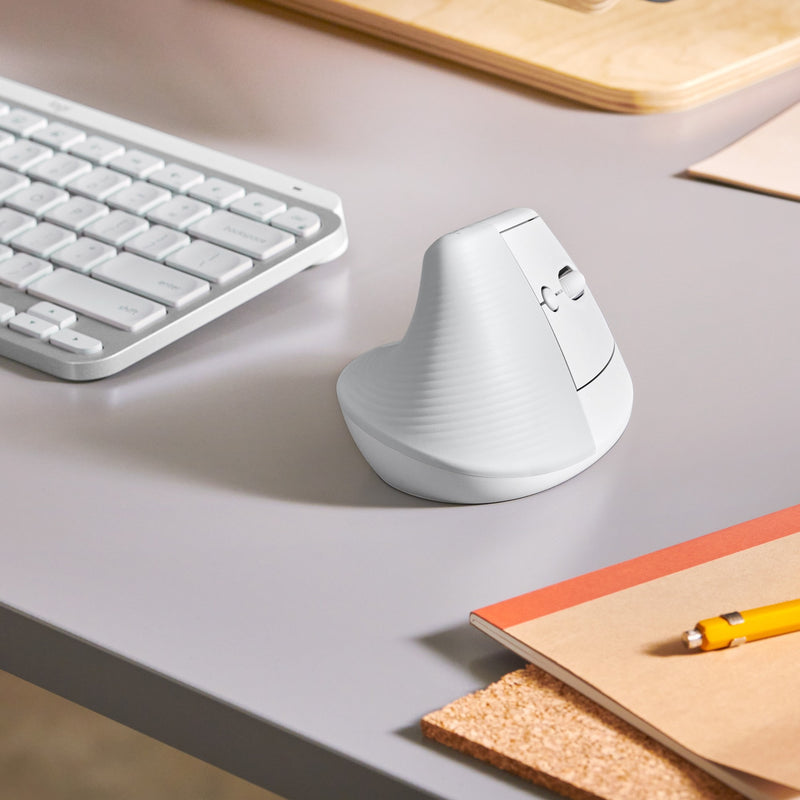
(116,307)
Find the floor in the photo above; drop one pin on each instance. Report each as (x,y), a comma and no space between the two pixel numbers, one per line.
(52,749)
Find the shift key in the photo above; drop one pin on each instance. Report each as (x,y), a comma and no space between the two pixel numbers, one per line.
(116,307)
(253,239)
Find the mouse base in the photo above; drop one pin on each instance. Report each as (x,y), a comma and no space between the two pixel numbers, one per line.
(607,402)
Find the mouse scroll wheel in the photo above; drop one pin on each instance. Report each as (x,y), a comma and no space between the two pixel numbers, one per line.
(572,282)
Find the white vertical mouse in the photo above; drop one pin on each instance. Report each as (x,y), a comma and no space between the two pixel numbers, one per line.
(508,380)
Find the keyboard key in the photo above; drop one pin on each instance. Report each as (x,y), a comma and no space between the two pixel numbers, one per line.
(20,270)
(97,149)
(153,280)
(157,242)
(76,342)
(258,206)
(99,183)
(58,136)
(179,213)
(6,312)
(5,252)
(6,139)
(246,236)
(83,255)
(76,213)
(297,221)
(59,316)
(206,260)
(43,240)
(22,122)
(37,199)
(139,198)
(22,155)
(11,182)
(217,192)
(13,223)
(60,169)
(176,178)
(117,227)
(32,326)
(98,300)
(136,163)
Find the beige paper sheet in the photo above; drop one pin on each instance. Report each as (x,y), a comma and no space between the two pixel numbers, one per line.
(739,706)
(766,160)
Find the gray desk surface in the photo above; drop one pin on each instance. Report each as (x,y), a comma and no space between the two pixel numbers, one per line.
(195,547)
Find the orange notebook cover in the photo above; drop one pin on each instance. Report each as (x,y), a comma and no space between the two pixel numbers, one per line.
(614,635)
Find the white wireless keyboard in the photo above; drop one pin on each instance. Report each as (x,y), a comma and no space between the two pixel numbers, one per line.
(116,239)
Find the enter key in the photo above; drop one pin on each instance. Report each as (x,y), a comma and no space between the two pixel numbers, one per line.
(151,279)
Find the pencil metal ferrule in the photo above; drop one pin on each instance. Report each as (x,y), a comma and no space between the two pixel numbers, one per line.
(733,618)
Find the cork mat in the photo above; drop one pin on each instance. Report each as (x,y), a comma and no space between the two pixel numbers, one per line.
(534,726)
(634,56)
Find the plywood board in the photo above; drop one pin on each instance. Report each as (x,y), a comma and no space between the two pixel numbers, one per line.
(590,6)
(635,56)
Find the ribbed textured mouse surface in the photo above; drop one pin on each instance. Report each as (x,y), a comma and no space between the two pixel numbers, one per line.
(478,384)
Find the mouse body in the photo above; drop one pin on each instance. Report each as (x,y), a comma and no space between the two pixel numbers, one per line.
(508,380)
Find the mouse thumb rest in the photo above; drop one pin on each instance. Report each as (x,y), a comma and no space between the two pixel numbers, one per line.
(507,380)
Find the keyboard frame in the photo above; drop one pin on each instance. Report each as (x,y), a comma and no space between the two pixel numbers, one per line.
(121,349)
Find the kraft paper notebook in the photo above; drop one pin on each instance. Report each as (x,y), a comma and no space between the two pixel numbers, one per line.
(614,635)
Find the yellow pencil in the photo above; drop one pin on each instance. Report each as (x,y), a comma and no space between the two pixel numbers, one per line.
(729,630)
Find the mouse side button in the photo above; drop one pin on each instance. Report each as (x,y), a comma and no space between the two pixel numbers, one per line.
(577,322)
